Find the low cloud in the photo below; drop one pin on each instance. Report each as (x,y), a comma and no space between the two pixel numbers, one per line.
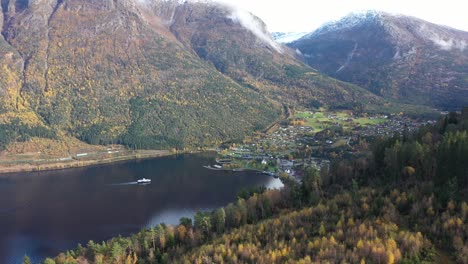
(238,15)
(252,23)
(448,44)
(248,21)
(442,39)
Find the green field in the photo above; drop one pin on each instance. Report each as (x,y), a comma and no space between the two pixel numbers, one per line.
(323,119)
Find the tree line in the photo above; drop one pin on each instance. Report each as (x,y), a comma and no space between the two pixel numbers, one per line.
(17,131)
(401,201)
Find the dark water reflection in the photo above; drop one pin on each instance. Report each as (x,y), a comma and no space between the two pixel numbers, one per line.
(44,213)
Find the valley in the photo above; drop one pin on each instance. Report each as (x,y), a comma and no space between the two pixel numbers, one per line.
(314,129)
(166,77)
(167,131)
(312,139)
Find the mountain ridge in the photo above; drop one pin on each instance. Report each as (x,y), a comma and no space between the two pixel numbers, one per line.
(396,56)
(151,74)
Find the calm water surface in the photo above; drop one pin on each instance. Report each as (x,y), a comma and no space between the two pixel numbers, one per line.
(44,213)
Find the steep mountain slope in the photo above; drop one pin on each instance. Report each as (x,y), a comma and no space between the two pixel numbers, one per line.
(395,56)
(150,74)
(239,46)
(100,71)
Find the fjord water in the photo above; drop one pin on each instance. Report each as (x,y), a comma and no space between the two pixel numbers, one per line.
(44,213)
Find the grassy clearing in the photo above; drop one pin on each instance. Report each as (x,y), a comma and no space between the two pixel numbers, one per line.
(323,119)
(368,121)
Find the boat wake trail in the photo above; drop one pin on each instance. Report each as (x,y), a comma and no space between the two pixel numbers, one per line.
(124,183)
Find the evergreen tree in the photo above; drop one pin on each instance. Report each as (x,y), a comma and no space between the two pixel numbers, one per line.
(26,260)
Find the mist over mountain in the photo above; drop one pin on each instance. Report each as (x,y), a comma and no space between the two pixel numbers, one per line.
(396,56)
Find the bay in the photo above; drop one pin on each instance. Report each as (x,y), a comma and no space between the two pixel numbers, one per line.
(44,213)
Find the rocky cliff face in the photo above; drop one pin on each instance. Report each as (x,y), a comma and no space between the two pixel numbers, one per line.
(396,56)
(150,73)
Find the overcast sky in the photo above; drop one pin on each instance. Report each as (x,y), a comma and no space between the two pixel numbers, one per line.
(307,15)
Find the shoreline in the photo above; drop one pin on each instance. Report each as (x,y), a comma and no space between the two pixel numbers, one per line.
(34,166)
(139,155)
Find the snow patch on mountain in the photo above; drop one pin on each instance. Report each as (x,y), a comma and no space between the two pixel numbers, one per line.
(349,21)
(349,58)
(287,37)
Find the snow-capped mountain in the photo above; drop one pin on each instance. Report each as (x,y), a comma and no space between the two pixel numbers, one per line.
(396,56)
(349,21)
(287,37)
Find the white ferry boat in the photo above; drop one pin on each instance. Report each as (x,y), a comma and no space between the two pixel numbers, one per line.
(144,180)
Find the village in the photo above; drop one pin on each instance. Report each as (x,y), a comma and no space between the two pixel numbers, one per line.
(310,139)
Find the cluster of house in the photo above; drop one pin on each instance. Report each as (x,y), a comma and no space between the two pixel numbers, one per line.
(273,148)
(286,139)
(395,125)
